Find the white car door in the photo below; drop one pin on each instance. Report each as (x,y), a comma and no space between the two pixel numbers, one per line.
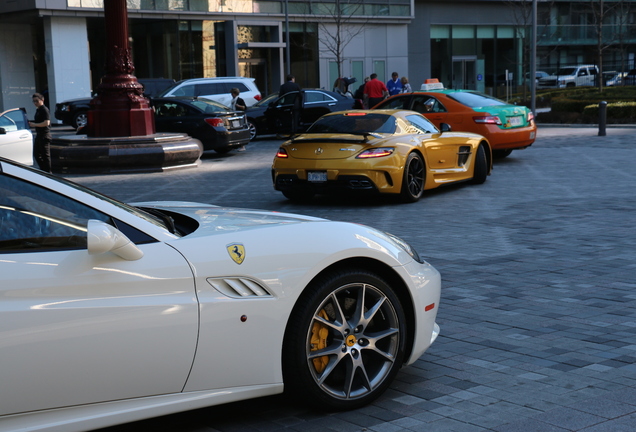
(16,139)
(78,328)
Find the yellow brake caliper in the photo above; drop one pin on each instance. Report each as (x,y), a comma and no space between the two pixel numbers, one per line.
(319,333)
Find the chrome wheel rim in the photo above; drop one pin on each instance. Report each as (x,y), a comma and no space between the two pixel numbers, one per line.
(353,341)
(81,120)
(252,129)
(415,177)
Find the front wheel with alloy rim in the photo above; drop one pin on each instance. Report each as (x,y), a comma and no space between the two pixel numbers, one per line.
(414,177)
(80,119)
(252,127)
(344,341)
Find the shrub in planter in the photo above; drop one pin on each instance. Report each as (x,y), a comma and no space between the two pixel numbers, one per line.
(619,111)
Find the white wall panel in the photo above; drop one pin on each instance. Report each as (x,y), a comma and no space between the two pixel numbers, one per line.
(67,59)
(16,67)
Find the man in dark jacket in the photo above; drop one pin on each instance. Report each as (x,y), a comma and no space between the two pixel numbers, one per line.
(42,124)
(289,86)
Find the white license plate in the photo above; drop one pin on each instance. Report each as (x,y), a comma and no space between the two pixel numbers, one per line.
(317,176)
(236,124)
(515,121)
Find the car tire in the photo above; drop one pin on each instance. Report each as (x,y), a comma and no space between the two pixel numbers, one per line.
(294,195)
(344,341)
(414,177)
(500,154)
(480,173)
(223,150)
(253,131)
(80,119)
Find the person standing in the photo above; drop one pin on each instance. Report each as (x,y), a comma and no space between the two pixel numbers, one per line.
(293,118)
(359,94)
(237,103)
(42,124)
(289,86)
(394,85)
(374,91)
(406,87)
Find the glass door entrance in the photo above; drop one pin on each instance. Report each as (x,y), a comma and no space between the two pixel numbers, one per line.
(465,72)
(257,68)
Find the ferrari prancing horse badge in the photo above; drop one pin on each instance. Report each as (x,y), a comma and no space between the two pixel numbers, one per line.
(237,252)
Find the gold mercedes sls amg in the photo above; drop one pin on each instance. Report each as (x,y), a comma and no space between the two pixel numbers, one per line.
(396,152)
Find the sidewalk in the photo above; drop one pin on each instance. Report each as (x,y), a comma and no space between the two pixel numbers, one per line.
(538,308)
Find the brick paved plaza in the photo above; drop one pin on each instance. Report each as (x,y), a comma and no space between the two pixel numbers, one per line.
(538,313)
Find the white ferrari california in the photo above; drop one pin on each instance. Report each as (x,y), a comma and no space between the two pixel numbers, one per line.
(111,312)
(16,139)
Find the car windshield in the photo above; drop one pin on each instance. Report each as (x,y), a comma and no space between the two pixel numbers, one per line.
(209,106)
(130,209)
(265,102)
(355,122)
(566,71)
(166,91)
(474,99)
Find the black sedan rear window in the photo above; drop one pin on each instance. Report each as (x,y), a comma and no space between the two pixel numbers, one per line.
(209,106)
(474,99)
(354,123)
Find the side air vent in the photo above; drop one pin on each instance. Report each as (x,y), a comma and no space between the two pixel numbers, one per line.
(239,287)
(462,155)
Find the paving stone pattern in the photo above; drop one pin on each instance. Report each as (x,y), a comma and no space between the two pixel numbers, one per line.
(538,311)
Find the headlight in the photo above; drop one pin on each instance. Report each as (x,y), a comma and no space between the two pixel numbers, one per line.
(405,246)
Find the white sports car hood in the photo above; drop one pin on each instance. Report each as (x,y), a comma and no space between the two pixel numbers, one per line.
(213,219)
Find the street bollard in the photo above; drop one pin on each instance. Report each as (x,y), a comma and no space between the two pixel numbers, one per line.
(602,118)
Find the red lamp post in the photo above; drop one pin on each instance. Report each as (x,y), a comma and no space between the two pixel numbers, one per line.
(119,109)
(120,135)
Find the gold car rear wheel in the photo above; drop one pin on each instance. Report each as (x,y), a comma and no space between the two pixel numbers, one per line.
(344,343)
(414,178)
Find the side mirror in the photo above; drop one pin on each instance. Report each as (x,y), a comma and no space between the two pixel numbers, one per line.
(3,131)
(103,238)
(445,127)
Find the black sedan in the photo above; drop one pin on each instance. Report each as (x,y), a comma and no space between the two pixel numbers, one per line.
(275,116)
(215,125)
(73,112)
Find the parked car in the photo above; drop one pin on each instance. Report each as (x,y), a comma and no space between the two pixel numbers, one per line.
(16,139)
(613,78)
(276,116)
(215,125)
(507,127)
(630,78)
(154,86)
(538,75)
(395,152)
(261,104)
(113,313)
(73,112)
(217,89)
(571,76)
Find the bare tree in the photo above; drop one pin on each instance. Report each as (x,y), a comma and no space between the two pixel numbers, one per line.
(601,12)
(521,14)
(344,20)
(623,28)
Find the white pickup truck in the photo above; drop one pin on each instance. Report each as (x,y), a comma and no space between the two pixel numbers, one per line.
(571,76)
